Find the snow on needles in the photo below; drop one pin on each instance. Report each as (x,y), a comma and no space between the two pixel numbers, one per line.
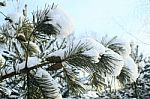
(94,54)
(126,50)
(96,49)
(40,72)
(128,61)
(117,62)
(59,52)
(62,21)
(93,44)
(93,50)
(133,68)
(125,53)
(44,79)
(123,43)
(32,61)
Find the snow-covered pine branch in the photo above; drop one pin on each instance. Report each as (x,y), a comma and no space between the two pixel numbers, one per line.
(49,87)
(33,63)
(132,67)
(54,21)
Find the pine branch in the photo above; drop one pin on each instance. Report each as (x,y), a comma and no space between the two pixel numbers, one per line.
(75,87)
(124,76)
(41,26)
(97,81)
(42,22)
(116,47)
(108,43)
(47,85)
(105,64)
(24,70)
(73,56)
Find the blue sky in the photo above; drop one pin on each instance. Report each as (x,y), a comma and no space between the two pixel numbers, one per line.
(126,18)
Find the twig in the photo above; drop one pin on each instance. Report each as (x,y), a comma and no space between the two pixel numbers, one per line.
(3,13)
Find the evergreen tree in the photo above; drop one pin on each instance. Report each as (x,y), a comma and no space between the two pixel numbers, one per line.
(39,59)
(143,81)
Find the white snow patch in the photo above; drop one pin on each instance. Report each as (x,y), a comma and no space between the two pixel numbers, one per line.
(94,48)
(62,21)
(94,54)
(91,94)
(6,53)
(59,52)
(40,72)
(121,42)
(94,45)
(141,64)
(32,61)
(7,91)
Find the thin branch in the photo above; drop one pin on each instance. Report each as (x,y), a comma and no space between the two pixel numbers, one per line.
(3,14)
(24,70)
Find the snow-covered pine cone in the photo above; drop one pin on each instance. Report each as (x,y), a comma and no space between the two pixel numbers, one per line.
(33,48)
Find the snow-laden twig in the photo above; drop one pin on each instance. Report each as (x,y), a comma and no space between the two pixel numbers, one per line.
(9,72)
(92,48)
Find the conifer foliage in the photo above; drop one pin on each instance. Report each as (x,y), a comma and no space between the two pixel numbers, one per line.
(40,60)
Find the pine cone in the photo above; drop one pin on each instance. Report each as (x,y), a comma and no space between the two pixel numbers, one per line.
(21,37)
(33,48)
(2,38)
(56,66)
(54,59)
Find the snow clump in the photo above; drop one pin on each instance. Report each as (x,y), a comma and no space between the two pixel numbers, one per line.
(62,21)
